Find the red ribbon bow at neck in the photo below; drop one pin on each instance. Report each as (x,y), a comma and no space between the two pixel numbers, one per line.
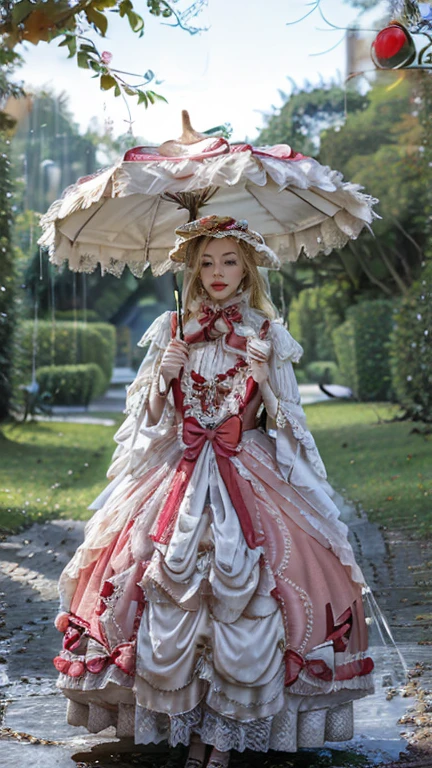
(208,320)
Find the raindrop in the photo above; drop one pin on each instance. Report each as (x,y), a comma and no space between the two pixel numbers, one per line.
(409,378)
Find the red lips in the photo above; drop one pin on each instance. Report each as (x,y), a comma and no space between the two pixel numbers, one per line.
(218,286)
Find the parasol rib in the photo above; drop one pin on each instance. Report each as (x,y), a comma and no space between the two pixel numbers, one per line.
(272,216)
(147,242)
(305,200)
(81,229)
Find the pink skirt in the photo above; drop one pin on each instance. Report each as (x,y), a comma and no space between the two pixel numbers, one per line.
(259,647)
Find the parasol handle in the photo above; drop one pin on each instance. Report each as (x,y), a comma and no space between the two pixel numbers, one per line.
(178,302)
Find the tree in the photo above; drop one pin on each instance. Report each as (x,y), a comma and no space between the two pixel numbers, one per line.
(8,60)
(380,146)
(307,111)
(381,149)
(35,21)
(49,152)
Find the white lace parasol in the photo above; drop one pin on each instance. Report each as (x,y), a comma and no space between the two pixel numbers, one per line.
(126,215)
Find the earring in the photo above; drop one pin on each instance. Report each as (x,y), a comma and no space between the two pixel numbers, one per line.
(201,290)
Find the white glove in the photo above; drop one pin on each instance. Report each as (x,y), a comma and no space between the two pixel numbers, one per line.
(173,360)
(259,352)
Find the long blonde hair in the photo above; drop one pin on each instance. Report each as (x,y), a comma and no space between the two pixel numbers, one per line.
(253,281)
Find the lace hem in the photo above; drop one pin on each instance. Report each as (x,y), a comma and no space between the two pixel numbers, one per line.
(288,731)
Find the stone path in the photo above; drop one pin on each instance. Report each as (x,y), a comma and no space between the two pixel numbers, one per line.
(34,731)
(114,400)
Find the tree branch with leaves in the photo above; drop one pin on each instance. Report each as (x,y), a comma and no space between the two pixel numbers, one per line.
(36,21)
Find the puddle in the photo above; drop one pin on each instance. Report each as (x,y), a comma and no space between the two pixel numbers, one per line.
(4,679)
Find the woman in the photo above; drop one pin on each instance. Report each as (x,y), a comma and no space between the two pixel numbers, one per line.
(216,599)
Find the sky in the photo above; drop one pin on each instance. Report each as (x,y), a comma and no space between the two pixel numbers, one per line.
(233,72)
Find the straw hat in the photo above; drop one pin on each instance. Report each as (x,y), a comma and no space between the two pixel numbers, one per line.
(223,226)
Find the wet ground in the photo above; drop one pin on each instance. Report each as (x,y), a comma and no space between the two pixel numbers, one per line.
(34,731)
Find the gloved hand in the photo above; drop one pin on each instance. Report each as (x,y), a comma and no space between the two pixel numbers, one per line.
(259,352)
(173,360)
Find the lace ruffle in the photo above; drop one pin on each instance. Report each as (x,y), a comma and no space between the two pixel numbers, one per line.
(288,731)
(159,332)
(293,414)
(340,209)
(284,345)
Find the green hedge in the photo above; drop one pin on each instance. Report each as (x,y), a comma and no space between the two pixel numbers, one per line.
(323,372)
(81,315)
(411,349)
(300,375)
(71,384)
(108,332)
(313,316)
(362,349)
(343,340)
(72,344)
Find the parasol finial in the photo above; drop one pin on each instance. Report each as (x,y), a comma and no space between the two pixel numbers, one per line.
(199,142)
(189,135)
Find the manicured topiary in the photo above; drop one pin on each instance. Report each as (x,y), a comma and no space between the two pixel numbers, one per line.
(343,340)
(70,384)
(411,349)
(313,316)
(323,372)
(362,349)
(64,343)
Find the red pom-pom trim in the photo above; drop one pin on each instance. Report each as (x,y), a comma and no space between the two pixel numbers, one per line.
(76,669)
(62,665)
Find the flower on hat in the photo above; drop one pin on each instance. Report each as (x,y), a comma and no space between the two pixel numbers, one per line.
(210,224)
(223,226)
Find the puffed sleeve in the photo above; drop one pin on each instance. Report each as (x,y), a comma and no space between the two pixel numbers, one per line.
(293,436)
(134,436)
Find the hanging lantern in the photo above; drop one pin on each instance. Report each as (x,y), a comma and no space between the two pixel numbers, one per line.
(397,48)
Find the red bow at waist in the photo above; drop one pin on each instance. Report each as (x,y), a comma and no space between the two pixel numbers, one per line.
(225,439)
(208,319)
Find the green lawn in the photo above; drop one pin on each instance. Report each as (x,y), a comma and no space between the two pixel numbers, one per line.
(57,469)
(383,467)
(51,469)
